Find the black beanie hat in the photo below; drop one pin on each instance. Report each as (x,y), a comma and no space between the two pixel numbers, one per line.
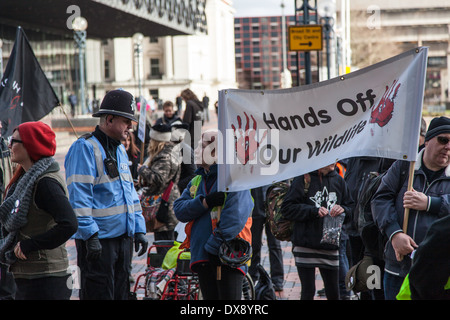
(438,126)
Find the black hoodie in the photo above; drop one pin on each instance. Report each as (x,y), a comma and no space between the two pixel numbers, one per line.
(303,208)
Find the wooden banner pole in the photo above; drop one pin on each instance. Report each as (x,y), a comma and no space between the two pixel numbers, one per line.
(410,184)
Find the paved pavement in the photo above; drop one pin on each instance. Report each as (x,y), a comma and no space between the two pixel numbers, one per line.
(292,284)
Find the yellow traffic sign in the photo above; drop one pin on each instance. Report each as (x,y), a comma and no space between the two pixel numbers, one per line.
(305,38)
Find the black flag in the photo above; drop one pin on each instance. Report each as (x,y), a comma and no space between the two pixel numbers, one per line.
(25,92)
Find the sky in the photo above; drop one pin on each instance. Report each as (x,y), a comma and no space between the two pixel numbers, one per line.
(258,8)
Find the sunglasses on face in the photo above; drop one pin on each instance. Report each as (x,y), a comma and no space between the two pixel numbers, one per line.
(442,140)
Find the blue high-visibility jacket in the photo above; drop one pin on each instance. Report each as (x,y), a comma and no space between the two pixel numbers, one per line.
(109,206)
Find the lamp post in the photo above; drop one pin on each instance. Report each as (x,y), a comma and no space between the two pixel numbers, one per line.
(326,10)
(286,79)
(306,9)
(137,39)
(79,26)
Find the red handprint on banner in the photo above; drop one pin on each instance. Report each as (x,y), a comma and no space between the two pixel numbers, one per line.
(382,113)
(245,141)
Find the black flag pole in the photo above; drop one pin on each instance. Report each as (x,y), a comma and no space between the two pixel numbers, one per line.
(25,92)
(70,122)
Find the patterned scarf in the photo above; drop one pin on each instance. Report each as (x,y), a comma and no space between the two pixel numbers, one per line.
(14,210)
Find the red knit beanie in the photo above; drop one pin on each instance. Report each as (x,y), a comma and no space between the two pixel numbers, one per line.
(38,139)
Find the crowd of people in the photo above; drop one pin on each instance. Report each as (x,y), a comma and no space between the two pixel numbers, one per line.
(100,204)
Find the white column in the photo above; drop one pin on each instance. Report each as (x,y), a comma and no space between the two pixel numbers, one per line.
(168,57)
(123,59)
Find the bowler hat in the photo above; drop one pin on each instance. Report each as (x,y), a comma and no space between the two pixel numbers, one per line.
(119,103)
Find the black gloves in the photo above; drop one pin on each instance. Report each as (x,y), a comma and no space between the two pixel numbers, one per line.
(215,199)
(93,248)
(140,240)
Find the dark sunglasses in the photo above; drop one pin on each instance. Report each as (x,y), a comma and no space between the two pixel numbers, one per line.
(12,141)
(442,140)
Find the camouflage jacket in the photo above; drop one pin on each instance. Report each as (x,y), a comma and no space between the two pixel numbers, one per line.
(156,176)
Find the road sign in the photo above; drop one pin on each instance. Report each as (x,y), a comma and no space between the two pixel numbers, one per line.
(305,38)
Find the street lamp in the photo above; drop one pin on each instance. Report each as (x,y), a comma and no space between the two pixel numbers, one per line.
(138,39)
(79,26)
(307,18)
(326,10)
(286,79)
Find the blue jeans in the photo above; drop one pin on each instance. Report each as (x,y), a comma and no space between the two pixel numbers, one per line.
(343,267)
(392,285)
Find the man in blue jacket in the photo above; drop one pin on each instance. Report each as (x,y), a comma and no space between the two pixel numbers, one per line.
(107,207)
(428,201)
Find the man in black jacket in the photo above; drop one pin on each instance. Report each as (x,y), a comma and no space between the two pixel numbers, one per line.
(430,270)
(428,201)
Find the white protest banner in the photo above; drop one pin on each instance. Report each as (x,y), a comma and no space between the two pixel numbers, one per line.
(273,135)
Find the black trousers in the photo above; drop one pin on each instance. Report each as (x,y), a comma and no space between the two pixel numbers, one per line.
(330,279)
(7,284)
(275,253)
(108,277)
(228,288)
(47,288)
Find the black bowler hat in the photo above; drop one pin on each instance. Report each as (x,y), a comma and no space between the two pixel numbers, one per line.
(119,103)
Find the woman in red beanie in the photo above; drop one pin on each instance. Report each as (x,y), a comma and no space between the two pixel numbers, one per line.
(36,218)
